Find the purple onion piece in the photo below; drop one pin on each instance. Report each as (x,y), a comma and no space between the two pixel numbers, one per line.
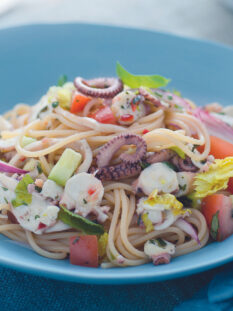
(187,228)
(214,125)
(7,168)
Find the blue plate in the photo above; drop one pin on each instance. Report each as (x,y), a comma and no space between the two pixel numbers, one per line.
(32,58)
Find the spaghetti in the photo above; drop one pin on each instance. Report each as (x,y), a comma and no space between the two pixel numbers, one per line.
(53,129)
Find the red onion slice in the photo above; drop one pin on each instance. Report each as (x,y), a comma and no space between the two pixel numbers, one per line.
(187,228)
(6,168)
(214,125)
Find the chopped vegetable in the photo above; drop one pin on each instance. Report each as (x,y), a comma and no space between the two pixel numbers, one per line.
(135,81)
(104,115)
(215,179)
(84,251)
(79,222)
(55,104)
(188,228)
(217,209)
(62,80)
(102,244)
(65,167)
(168,201)
(64,98)
(127,117)
(180,152)
(220,148)
(27,140)
(214,125)
(23,197)
(78,103)
(7,168)
(148,223)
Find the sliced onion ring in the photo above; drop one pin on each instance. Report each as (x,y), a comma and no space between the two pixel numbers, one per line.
(6,168)
(187,228)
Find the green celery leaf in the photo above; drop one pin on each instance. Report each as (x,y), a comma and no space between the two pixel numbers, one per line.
(79,222)
(135,81)
(23,197)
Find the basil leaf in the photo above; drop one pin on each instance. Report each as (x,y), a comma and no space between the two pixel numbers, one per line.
(135,81)
(62,80)
(79,222)
(214,226)
(23,197)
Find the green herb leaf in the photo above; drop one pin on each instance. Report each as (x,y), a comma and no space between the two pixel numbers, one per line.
(169,165)
(144,164)
(79,222)
(214,226)
(55,104)
(37,216)
(135,81)
(23,197)
(38,189)
(182,187)
(4,189)
(40,171)
(161,243)
(62,80)
(180,153)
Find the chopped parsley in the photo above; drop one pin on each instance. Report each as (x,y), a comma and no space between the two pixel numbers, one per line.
(4,189)
(161,243)
(6,200)
(75,240)
(158,94)
(40,171)
(182,187)
(214,226)
(84,201)
(37,216)
(55,104)
(170,165)
(38,189)
(144,164)
(170,97)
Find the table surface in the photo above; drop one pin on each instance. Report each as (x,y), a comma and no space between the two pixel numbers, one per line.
(207,19)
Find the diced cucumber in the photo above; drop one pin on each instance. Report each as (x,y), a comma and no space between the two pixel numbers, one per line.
(27,140)
(65,167)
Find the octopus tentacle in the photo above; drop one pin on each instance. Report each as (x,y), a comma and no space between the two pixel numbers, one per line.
(100,87)
(107,151)
(160,156)
(116,172)
(150,97)
(163,258)
(184,165)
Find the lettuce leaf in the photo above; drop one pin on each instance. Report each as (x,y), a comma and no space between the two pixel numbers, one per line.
(135,81)
(23,197)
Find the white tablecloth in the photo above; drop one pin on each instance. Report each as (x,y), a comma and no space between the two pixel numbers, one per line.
(207,19)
